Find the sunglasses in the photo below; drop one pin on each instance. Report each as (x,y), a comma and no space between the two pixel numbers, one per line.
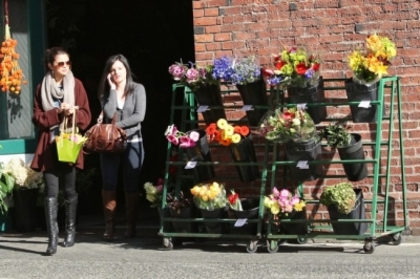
(61,64)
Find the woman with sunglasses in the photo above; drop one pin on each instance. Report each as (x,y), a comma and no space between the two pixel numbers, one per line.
(60,96)
(121,97)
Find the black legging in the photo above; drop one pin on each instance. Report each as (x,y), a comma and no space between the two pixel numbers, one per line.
(52,181)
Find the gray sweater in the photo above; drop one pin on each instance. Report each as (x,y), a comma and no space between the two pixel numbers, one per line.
(132,114)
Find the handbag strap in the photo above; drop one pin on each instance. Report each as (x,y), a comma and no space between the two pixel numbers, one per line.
(101,118)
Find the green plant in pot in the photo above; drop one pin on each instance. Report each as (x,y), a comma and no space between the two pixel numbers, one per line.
(349,146)
(7,182)
(341,196)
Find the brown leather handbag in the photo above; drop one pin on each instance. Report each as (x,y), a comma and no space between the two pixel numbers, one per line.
(105,138)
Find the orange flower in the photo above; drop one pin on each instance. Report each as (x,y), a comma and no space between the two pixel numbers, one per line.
(237,129)
(244,131)
(211,129)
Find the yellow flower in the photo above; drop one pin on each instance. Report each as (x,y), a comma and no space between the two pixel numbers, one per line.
(204,198)
(222,123)
(195,190)
(275,208)
(299,206)
(236,138)
(229,129)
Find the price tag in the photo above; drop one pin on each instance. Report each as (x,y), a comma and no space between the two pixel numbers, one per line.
(302,165)
(190,165)
(301,106)
(240,222)
(202,108)
(246,107)
(364,104)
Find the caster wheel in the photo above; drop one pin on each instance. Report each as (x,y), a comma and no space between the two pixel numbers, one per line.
(252,247)
(272,247)
(167,244)
(396,239)
(369,248)
(302,240)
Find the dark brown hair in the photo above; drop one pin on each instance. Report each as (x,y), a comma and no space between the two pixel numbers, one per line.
(50,54)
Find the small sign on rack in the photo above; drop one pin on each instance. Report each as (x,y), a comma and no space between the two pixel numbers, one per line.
(302,165)
(240,222)
(202,108)
(301,106)
(246,107)
(364,104)
(190,165)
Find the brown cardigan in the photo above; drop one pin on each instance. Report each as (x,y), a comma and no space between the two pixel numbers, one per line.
(45,157)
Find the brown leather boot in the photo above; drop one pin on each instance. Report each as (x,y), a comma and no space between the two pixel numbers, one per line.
(132,201)
(110,203)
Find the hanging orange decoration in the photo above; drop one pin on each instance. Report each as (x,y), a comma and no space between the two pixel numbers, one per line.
(11,75)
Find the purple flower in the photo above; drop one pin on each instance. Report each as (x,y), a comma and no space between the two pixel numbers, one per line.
(309,73)
(192,75)
(223,68)
(284,193)
(177,71)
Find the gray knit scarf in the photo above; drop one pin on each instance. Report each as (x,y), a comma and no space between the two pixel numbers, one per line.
(51,91)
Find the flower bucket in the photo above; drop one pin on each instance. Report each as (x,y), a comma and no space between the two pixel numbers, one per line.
(362,92)
(350,228)
(354,171)
(182,227)
(300,228)
(250,211)
(304,151)
(201,153)
(215,227)
(209,95)
(254,93)
(244,152)
(26,209)
(310,94)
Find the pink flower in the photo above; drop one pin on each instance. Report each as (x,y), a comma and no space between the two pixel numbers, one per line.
(172,139)
(192,75)
(177,71)
(159,188)
(186,142)
(284,193)
(295,200)
(275,192)
(195,136)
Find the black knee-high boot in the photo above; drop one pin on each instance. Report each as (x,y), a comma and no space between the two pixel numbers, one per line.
(71,209)
(51,207)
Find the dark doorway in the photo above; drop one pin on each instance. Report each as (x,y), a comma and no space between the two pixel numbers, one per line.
(151,34)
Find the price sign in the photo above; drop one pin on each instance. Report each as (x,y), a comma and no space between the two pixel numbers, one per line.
(190,165)
(364,104)
(246,107)
(202,108)
(302,165)
(240,223)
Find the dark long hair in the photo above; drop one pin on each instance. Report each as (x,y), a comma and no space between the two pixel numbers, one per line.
(50,54)
(104,88)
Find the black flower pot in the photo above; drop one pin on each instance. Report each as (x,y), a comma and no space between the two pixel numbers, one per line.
(209,95)
(254,93)
(299,228)
(182,227)
(310,94)
(362,92)
(354,171)
(26,209)
(201,153)
(244,152)
(249,211)
(350,228)
(304,151)
(215,227)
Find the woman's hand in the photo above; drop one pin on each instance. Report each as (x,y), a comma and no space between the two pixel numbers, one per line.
(111,83)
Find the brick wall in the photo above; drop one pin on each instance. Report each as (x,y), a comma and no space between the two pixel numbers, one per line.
(332,29)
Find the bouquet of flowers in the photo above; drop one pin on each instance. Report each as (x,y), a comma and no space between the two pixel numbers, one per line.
(237,71)
(292,124)
(368,66)
(234,201)
(154,193)
(226,134)
(184,140)
(192,76)
(293,67)
(283,202)
(177,203)
(24,176)
(209,196)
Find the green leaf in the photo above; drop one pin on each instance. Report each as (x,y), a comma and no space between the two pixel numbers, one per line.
(9,182)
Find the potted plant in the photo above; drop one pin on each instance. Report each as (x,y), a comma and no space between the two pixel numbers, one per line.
(7,183)
(210,199)
(240,144)
(344,202)
(282,204)
(244,208)
(196,147)
(25,192)
(205,87)
(299,72)
(349,146)
(296,129)
(368,67)
(180,207)
(245,74)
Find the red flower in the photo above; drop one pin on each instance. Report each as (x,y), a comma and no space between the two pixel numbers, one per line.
(301,68)
(211,129)
(267,72)
(232,198)
(288,115)
(315,67)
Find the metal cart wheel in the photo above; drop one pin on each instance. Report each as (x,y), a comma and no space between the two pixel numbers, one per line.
(167,244)
(272,246)
(302,240)
(396,239)
(252,247)
(369,247)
